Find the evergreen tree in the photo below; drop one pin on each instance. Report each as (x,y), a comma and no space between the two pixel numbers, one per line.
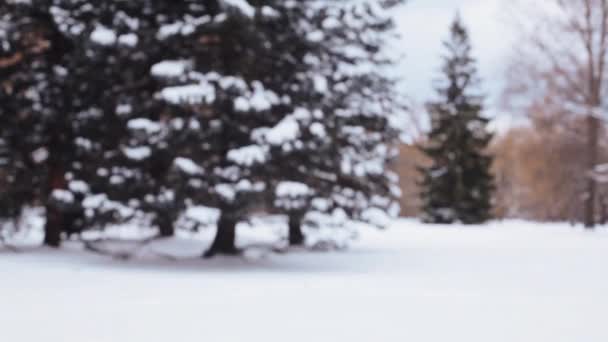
(227,94)
(341,171)
(142,109)
(124,157)
(31,48)
(458,186)
(78,93)
(112,122)
(295,105)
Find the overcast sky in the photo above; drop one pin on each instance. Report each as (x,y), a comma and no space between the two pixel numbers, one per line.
(425,23)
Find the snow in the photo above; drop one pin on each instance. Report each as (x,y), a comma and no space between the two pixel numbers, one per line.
(262,99)
(170,69)
(270,12)
(259,99)
(137,153)
(103,36)
(226,191)
(376,216)
(320,84)
(315,36)
(203,215)
(318,130)
(101,203)
(78,186)
(292,195)
(241,104)
(285,131)
(188,166)
(40,155)
(129,39)
(143,124)
(245,185)
(189,94)
(511,281)
(169,30)
(124,109)
(62,196)
(292,189)
(248,155)
(185,27)
(94,201)
(243,6)
(331,23)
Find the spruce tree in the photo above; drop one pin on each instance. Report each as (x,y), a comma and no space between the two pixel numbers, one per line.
(115,125)
(325,58)
(31,50)
(231,94)
(458,186)
(142,109)
(341,171)
(124,156)
(78,93)
(294,103)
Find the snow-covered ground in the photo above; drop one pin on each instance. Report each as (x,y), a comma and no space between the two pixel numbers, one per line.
(511,281)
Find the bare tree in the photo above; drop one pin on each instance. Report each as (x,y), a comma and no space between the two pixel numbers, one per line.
(562,62)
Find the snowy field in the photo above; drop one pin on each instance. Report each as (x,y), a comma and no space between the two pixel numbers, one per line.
(510,281)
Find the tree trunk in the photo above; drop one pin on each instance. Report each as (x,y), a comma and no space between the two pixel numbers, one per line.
(592,157)
(55,220)
(603,211)
(165,226)
(224,242)
(296,237)
(53,227)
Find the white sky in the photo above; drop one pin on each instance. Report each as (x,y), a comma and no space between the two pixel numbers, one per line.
(424,24)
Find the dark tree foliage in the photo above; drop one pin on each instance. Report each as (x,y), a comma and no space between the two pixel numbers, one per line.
(458,186)
(32,133)
(236,90)
(138,110)
(349,138)
(282,113)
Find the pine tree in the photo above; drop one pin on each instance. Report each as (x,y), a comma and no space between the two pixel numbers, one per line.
(134,114)
(32,48)
(458,186)
(122,147)
(75,91)
(112,120)
(341,170)
(10,203)
(287,109)
(227,93)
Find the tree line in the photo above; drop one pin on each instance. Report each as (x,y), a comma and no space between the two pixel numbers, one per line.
(124,111)
(550,164)
(143,111)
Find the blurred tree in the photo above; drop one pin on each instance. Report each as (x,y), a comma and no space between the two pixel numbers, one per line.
(347,142)
(33,132)
(458,186)
(138,114)
(291,113)
(411,158)
(537,168)
(563,60)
